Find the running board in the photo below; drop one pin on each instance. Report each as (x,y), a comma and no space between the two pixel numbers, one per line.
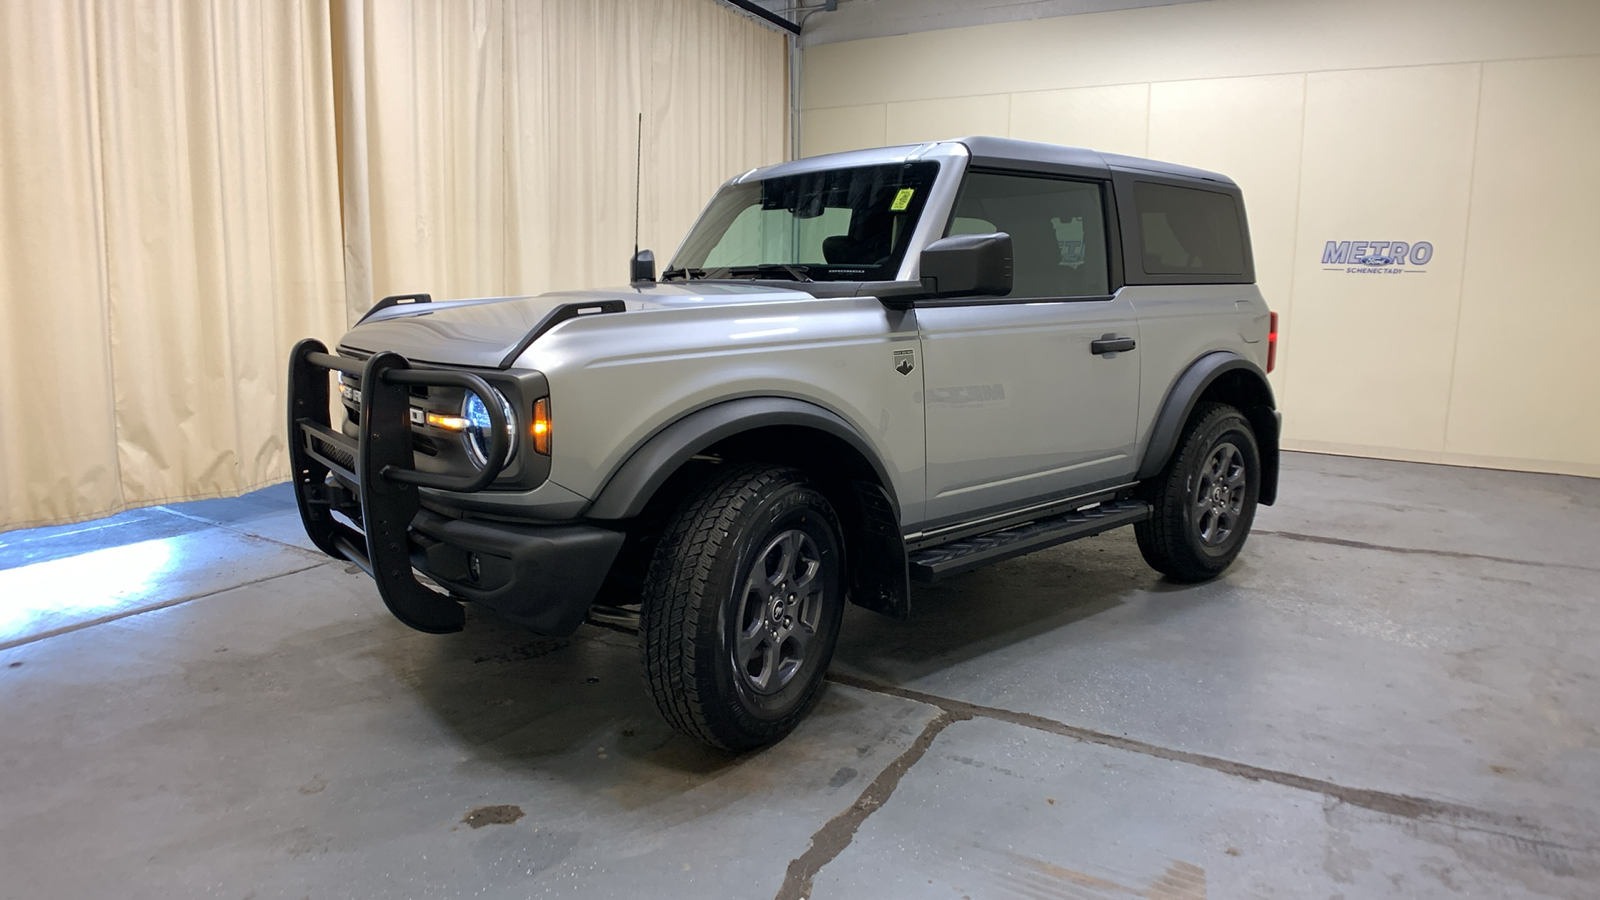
(966,554)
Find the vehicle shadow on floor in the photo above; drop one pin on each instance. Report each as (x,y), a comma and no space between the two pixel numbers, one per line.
(577,711)
(574,715)
(508,691)
(987,610)
(573,708)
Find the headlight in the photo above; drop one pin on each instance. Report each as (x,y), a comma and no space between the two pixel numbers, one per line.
(477,416)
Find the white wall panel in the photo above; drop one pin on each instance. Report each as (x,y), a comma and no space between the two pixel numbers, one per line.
(844,128)
(1114,118)
(1388,157)
(1249,129)
(932,120)
(1218,39)
(1527,382)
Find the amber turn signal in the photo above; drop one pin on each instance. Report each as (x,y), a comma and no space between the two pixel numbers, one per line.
(541,426)
(448,423)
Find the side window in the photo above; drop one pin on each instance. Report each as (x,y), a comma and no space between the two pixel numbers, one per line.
(1188,231)
(1057,228)
(963,225)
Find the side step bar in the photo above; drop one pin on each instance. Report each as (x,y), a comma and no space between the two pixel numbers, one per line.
(966,554)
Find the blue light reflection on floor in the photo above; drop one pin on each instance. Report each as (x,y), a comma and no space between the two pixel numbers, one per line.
(45,596)
(28,546)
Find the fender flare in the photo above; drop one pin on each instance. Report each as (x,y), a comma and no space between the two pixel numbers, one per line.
(1180,402)
(632,485)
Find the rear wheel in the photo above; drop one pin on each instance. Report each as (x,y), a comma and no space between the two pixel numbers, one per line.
(741,607)
(1205,500)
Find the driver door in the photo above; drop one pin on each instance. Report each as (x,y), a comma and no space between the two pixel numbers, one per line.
(1024,402)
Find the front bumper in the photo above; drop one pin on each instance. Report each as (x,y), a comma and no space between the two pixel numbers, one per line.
(543,576)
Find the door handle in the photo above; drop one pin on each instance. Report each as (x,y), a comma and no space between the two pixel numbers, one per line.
(1111,343)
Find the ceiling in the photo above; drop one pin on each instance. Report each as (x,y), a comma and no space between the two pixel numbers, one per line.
(858,19)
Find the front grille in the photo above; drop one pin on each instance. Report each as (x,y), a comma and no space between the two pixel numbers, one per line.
(435,451)
(333,452)
(419,391)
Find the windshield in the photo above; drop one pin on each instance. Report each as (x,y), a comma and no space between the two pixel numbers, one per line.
(837,225)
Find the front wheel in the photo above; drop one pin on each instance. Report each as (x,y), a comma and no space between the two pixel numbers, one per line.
(1205,499)
(741,607)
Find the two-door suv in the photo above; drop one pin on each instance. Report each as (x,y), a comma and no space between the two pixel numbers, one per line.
(860,370)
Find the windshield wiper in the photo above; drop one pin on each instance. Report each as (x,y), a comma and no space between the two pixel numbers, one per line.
(684,273)
(795,273)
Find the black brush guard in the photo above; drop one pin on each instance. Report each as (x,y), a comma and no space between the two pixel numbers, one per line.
(378,464)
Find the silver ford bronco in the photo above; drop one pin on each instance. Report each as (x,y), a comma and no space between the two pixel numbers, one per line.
(860,370)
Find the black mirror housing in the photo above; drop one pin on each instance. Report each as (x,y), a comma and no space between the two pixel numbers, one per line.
(968,265)
(642,267)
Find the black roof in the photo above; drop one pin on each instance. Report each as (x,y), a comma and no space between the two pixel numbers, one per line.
(1012,150)
(995,151)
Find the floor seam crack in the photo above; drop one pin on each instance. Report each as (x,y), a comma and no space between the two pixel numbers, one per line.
(1421,551)
(1384,802)
(838,832)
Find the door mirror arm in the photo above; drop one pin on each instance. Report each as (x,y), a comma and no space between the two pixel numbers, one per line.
(962,265)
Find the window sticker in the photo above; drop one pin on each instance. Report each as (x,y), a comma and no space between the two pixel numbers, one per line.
(1069,241)
(902,200)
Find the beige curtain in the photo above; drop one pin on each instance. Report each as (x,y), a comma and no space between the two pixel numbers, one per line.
(173,175)
(489,147)
(169,225)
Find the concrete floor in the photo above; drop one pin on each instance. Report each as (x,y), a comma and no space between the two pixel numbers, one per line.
(1395,692)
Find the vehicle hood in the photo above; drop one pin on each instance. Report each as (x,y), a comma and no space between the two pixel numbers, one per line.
(485,331)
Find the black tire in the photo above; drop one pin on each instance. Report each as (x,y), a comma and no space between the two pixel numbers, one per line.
(1201,516)
(735,658)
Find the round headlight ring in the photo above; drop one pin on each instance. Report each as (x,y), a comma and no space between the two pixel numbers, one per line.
(476,436)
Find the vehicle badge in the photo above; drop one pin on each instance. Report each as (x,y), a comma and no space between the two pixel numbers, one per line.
(905,361)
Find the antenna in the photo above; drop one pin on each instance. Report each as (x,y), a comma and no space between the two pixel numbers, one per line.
(643,265)
(638,176)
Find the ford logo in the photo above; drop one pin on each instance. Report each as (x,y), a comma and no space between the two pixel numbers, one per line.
(1376,260)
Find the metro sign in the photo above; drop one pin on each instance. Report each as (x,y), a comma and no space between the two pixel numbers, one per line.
(1376,257)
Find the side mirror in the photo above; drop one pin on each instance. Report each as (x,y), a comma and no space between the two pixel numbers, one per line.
(968,265)
(643,267)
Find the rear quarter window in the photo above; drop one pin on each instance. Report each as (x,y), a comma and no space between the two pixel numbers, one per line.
(1188,231)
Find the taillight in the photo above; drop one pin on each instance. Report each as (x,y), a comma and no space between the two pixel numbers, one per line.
(541,426)
(1272,343)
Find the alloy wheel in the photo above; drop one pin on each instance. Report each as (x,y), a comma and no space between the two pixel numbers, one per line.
(779,611)
(1219,495)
